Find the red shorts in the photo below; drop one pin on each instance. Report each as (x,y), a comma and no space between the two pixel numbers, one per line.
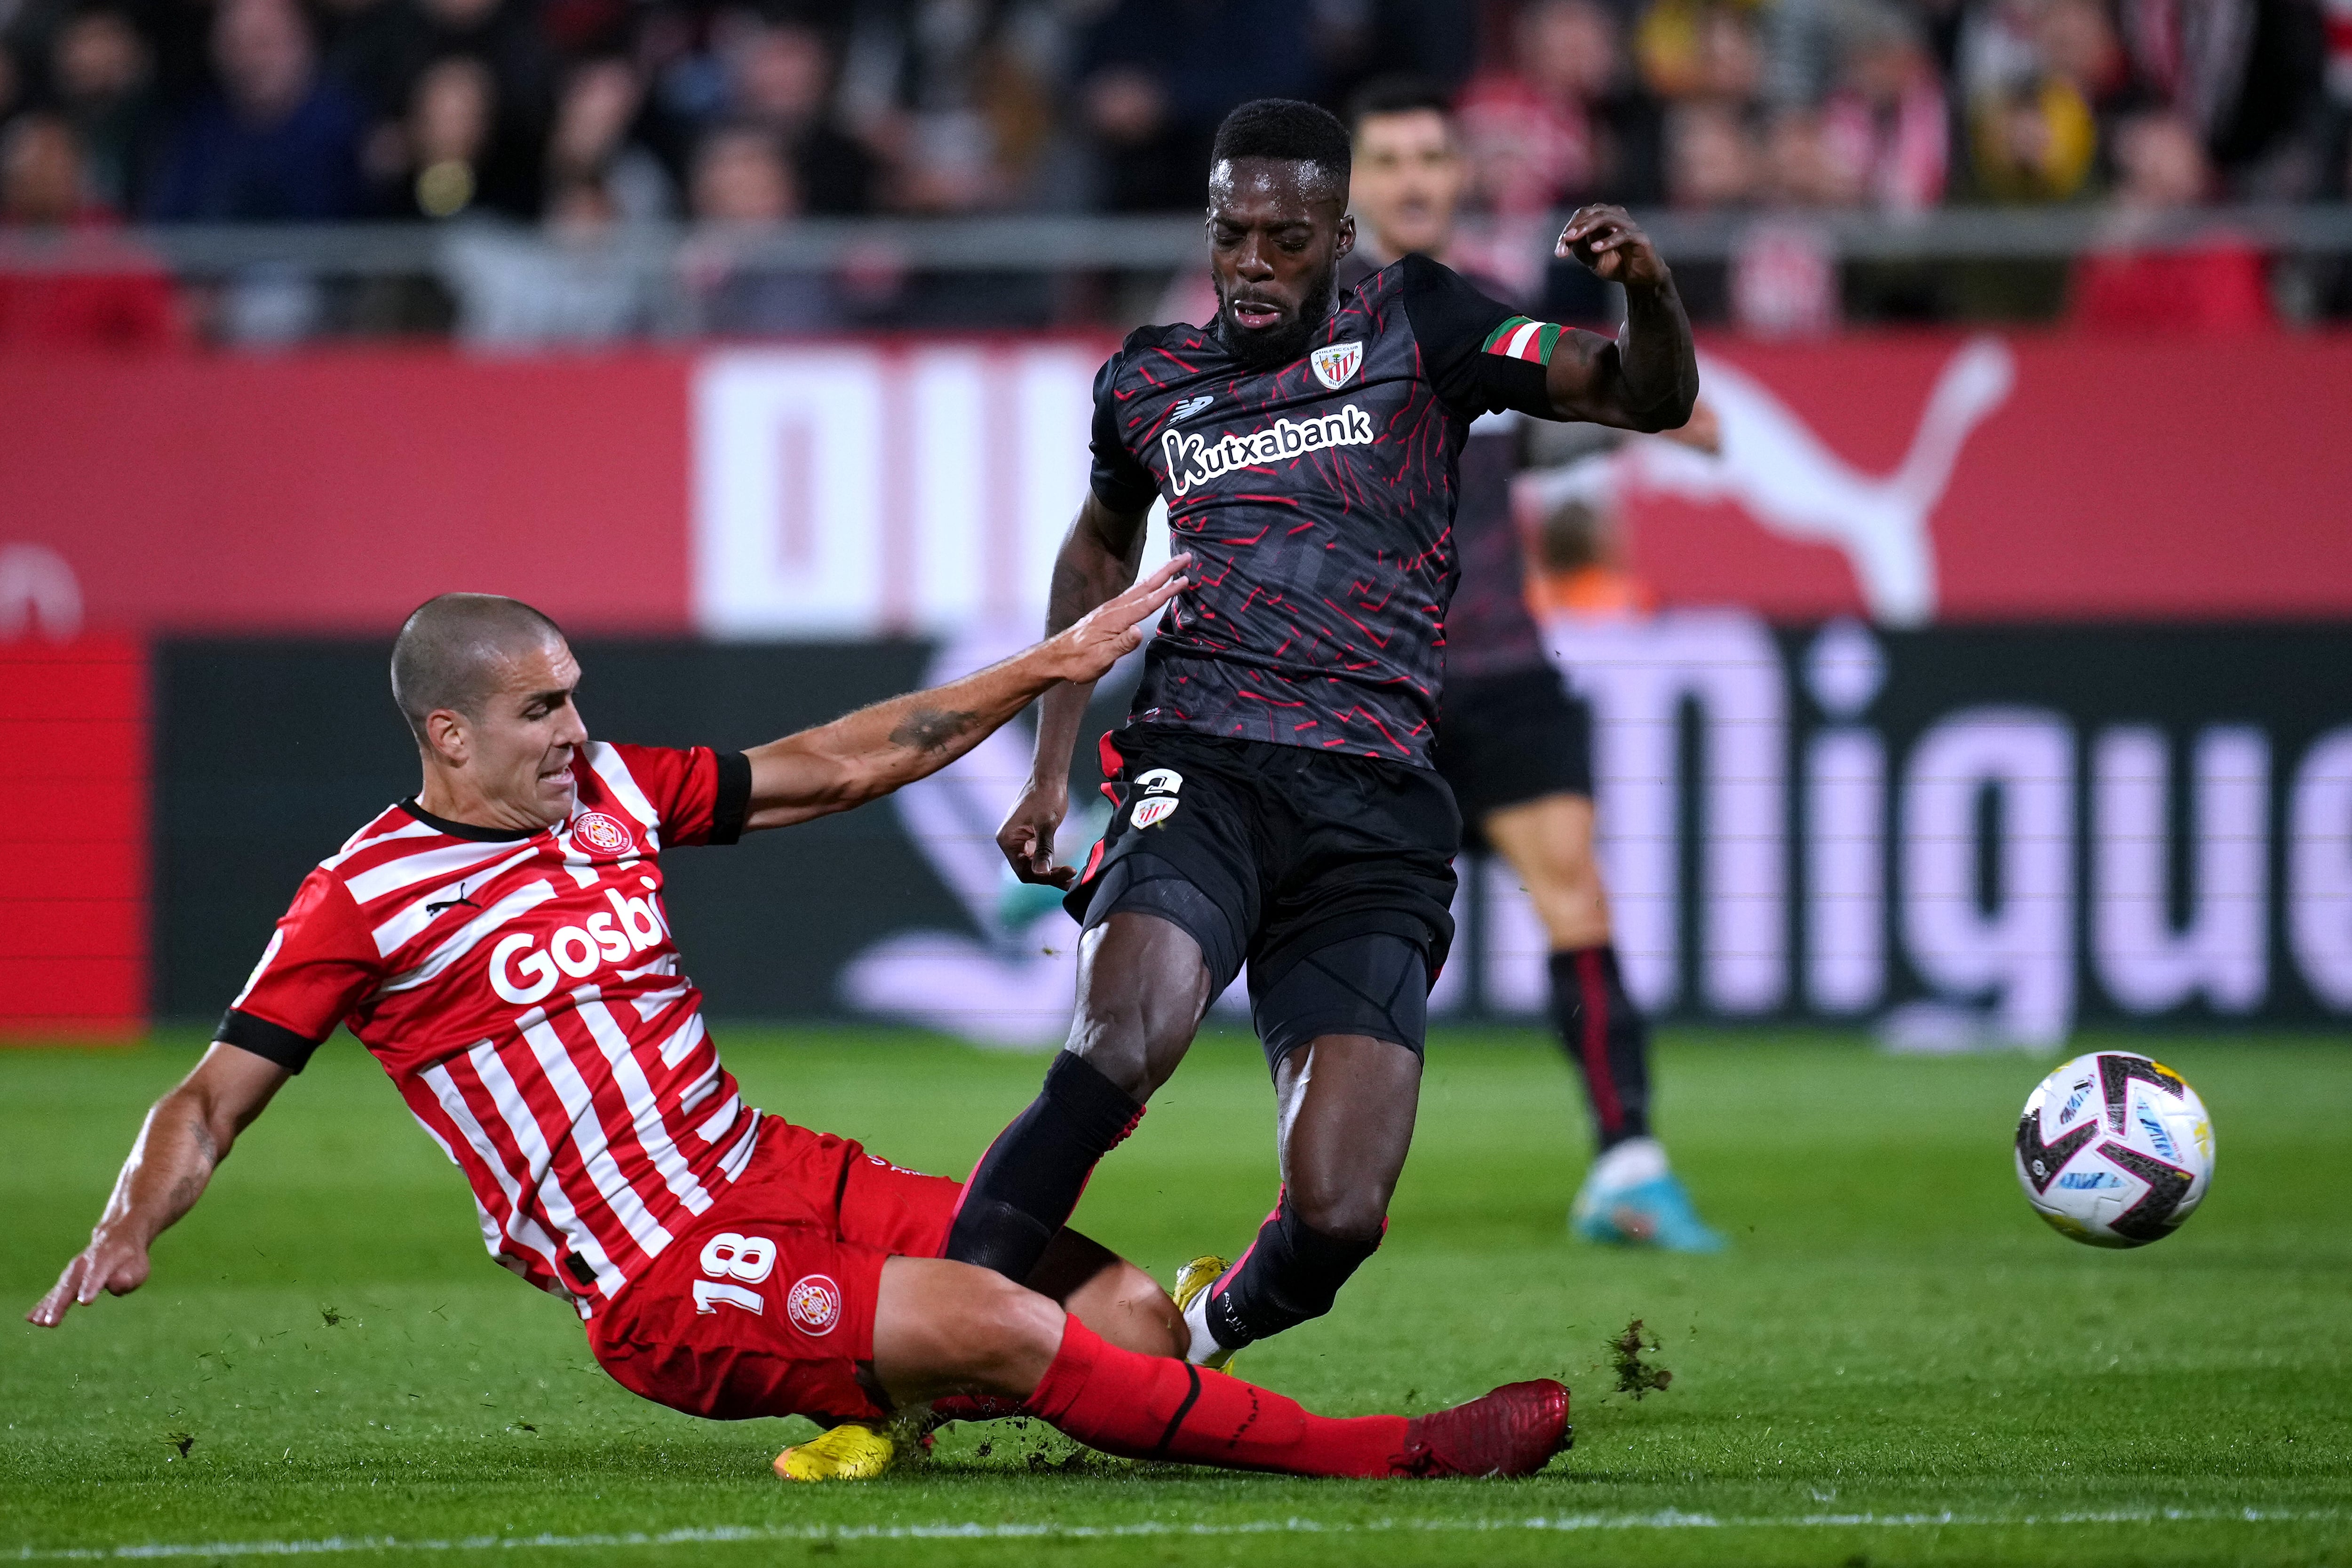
(764,1305)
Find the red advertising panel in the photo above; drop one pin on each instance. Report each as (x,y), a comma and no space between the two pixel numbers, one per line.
(73,885)
(856,487)
(1928,479)
(335,492)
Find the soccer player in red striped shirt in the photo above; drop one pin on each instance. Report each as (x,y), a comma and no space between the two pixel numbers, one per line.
(499,942)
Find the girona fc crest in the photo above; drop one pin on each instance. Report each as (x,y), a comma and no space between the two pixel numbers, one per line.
(604,835)
(814,1303)
(1338,365)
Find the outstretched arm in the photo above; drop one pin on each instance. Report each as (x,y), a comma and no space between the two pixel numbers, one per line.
(1098,558)
(186,1136)
(1646,377)
(873,751)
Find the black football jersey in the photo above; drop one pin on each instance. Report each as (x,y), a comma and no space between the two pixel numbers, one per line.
(1318,500)
(1489,630)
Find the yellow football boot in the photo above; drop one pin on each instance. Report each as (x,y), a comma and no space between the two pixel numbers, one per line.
(847,1453)
(1192,1282)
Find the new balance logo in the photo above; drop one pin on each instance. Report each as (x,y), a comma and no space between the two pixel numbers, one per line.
(1192,461)
(1190,407)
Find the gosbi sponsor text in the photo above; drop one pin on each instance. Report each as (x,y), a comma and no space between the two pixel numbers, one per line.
(523,973)
(1193,461)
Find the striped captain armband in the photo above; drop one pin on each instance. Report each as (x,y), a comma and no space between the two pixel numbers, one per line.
(1523,338)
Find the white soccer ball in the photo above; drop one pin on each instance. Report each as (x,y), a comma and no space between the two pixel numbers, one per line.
(2115,1150)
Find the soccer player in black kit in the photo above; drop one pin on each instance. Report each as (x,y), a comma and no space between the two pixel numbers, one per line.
(1513,742)
(1276,799)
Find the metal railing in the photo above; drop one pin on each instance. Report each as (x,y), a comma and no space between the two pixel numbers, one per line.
(662,260)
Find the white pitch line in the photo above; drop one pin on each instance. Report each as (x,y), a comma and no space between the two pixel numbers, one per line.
(1668,1520)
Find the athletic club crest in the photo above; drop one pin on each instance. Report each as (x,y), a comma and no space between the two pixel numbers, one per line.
(1160,787)
(1337,365)
(814,1303)
(603,834)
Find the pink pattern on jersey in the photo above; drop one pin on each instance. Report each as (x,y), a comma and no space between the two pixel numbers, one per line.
(525,994)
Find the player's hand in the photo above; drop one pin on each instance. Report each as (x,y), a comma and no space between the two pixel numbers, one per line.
(1027,835)
(1610,243)
(1114,628)
(115,1265)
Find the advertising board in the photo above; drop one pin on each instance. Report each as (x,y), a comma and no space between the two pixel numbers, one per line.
(1955,836)
(920,485)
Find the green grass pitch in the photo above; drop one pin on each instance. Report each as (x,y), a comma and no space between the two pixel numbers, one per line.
(1895,1363)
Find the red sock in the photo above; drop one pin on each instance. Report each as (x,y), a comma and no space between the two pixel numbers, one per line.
(1158,1408)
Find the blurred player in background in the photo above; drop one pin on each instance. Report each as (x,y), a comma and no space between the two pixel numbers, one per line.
(1513,742)
(498,942)
(1278,803)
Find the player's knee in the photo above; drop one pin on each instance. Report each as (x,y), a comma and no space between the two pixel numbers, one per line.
(1343,1210)
(1006,1335)
(1140,1317)
(1116,1050)
(1133,1036)
(1564,865)
(1570,899)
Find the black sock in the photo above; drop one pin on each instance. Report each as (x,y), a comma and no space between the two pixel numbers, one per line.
(1607,1037)
(1290,1274)
(1021,1193)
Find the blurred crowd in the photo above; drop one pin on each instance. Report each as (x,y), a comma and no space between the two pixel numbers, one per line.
(575,113)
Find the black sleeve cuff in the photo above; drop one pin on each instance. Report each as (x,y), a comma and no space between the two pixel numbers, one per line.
(271,1042)
(1127,498)
(734,799)
(1515,384)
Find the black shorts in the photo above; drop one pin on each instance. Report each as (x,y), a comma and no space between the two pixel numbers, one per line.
(1269,853)
(1506,739)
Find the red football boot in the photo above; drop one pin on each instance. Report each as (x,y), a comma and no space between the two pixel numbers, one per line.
(1514,1431)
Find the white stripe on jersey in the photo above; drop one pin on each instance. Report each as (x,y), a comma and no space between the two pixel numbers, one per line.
(524,1127)
(690,1035)
(616,774)
(358,841)
(712,1131)
(526,897)
(699,1090)
(461,1115)
(493,1238)
(425,864)
(653,1133)
(411,922)
(654,1002)
(277,940)
(588,1135)
(735,1159)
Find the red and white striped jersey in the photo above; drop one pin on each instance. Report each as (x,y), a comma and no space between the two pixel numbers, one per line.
(523,992)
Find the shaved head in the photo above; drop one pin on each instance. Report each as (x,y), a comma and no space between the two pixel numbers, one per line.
(454,650)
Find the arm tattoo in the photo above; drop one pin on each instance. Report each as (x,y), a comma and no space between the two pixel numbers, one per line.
(931,730)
